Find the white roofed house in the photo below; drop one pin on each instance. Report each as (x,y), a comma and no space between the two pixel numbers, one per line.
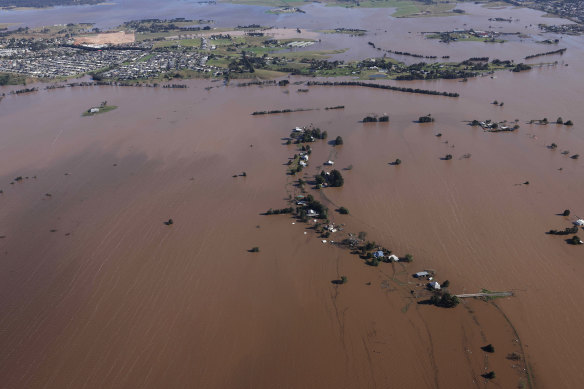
(311,212)
(434,285)
(393,258)
(579,223)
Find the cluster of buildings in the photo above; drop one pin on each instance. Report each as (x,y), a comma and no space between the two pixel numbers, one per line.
(155,63)
(570,29)
(60,57)
(491,126)
(62,61)
(9,52)
(571,9)
(465,34)
(429,275)
(297,44)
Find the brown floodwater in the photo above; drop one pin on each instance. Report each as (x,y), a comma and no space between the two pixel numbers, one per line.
(96,291)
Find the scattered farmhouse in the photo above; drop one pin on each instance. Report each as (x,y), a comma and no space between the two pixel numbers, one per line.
(434,285)
(393,258)
(378,254)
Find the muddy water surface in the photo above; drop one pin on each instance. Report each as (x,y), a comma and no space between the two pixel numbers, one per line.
(96,291)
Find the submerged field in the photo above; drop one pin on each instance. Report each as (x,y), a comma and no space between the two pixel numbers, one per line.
(105,262)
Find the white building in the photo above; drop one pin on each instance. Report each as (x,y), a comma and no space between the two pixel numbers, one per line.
(434,285)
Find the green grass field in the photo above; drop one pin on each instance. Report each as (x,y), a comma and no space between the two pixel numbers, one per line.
(319,54)
(404,8)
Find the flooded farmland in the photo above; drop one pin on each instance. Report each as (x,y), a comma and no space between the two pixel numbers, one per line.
(96,291)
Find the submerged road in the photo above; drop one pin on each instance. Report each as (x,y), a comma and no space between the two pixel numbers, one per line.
(491,294)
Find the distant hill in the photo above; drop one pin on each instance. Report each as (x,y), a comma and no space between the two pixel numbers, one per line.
(45,3)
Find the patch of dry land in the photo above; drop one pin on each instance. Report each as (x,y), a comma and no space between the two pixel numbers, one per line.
(111,38)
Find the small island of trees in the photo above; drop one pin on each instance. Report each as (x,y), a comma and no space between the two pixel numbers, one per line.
(103,108)
(311,204)
(426,119)
(374,119)
(308,135)
(333,178)
(444,300)
(520,67)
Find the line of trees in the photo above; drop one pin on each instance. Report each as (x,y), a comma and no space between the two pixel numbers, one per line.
(282,111)
(382,86)
(268,82)
(566,231)
(414,55)
(279,211)
(560,51)
(25,90)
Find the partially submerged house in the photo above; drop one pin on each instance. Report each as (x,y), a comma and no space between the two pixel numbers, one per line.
(331,228)
(434,285)
(311,212)
(579,223)
(378,254)
(421,274)
(393,258)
